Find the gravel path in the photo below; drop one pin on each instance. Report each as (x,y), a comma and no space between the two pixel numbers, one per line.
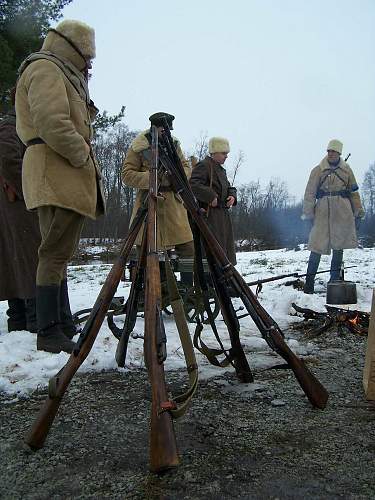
(259,441)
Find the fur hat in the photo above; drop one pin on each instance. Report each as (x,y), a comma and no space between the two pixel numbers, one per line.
(80,34)
(335,145)
(218,145)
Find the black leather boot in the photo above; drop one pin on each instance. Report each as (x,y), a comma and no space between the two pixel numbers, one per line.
(50,335)
(312,268)
(30,313)
(16,315)
(67,324)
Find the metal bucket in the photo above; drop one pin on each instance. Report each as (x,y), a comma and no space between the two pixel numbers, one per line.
(341,292)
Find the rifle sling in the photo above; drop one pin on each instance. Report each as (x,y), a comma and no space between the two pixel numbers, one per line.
(202,294)
(187,345)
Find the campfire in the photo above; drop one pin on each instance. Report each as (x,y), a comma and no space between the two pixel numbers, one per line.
(335,319)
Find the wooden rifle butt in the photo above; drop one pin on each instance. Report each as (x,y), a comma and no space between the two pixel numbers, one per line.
(37,435)
(163,446)
(314,390)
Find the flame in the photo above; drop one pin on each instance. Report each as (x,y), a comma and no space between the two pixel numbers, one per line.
(354,321)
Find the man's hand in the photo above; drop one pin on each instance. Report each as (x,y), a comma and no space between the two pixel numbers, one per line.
(230,201)
(214,202)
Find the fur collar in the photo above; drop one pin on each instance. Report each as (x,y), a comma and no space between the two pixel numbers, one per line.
(141,143)
(324,165)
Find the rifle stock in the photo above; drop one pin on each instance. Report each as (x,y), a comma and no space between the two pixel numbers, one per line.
(163,446)
(59,383)
(314,390)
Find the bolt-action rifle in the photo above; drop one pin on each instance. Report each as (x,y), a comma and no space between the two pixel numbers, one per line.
(269,329)
(59,384)
(163,447)
(291,275)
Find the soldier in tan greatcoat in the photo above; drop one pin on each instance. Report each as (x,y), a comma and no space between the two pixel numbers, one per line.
(61,178)
(173,225)
(333,205)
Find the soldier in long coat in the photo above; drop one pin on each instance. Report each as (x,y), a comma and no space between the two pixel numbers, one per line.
(173,229)
(212,189)
(333,204)
(61,178)
(19,233)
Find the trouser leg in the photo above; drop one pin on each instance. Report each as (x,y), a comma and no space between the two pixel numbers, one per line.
(16,315)
(312,268)
(336,263)
(60,230)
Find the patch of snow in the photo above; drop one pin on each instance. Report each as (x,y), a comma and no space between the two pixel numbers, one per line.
(24,369)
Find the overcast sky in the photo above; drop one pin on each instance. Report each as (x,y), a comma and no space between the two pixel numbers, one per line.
(278,78)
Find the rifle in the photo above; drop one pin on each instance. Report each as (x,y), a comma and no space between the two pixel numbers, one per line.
(292,275)
(131,308)
(163,446)
(59,384)
(268,328)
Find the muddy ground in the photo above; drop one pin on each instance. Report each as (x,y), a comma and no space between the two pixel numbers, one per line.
(263,441)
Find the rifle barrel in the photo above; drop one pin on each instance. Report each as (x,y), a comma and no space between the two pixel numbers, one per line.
(292,275)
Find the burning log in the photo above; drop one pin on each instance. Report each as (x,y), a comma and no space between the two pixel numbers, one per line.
(315,323)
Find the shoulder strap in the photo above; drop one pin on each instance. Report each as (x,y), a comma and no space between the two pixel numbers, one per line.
(184,399)
(74,76)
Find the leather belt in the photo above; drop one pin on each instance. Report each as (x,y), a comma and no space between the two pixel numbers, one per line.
(32,142)
(321,194)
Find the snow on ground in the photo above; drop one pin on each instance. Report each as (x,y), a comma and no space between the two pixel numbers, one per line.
(24,369)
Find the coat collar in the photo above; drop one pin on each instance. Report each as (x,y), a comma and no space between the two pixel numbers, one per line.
(324,165)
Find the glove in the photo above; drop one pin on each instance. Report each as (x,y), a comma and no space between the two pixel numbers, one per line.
(358,222)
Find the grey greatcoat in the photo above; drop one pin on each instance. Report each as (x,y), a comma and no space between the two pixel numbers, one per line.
(19,229)
(334,215)
(209,181)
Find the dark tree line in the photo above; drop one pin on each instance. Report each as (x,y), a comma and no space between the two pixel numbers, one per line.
(266,216)
(23,26)
(263,217)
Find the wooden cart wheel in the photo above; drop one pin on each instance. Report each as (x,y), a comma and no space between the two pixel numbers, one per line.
(193,309)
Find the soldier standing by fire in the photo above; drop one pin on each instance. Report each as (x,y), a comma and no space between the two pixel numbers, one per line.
(19,233)
(61,178)
(212,189)
(333,205)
